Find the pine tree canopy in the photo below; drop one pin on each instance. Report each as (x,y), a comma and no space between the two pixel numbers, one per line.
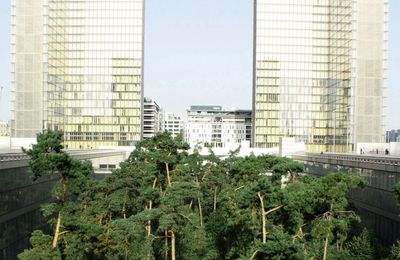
(166,203)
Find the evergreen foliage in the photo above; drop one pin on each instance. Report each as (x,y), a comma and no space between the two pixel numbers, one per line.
(166,203)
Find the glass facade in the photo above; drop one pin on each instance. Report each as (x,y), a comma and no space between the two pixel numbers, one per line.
(305,73)
(370,51)
(92,71)
(20,214)
(375,203)
(27,66)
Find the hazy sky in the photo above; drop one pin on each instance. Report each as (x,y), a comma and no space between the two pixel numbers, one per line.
(200,52)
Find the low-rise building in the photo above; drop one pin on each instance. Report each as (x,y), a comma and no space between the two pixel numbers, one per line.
(392,136)
(4,128)
(214,127)
(173,124)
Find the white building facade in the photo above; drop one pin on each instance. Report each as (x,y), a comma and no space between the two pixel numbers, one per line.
(151,118)
(173,124)
(214,127)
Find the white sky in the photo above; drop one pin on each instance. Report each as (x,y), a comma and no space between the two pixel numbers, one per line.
(200,52)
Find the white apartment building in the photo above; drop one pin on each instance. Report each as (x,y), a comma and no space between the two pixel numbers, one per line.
(173,124)
(212,126)
(151,118)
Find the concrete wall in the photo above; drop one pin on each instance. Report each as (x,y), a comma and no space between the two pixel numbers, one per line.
(17,143)
(245,150)
(4,143)
(376,203)
(288,146)
(370,148)
(110,161)
(394,148)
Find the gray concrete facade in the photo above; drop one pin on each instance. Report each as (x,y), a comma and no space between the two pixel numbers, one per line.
(376,203)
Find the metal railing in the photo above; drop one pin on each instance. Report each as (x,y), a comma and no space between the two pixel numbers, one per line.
(385,160)
(13,157)
(21,156)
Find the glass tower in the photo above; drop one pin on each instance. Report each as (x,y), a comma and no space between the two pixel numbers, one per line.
(309,78)
(92,71)
(27,67)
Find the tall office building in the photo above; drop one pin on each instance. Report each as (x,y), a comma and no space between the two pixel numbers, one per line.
(77,66)
(319,72)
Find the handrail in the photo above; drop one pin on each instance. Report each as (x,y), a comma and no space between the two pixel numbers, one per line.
(13,157)
(22,156)
(352,157)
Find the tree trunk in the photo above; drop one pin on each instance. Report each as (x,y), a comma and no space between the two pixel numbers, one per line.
(326,248)
(124,205)
(62,200)
(253,255)
(57,231)
(264,221)
(172,244)
(168,176)
(264,216)
(200,212)
(149,223)
(147,226)
(215,199)
(150,207)
(199,201)
(166,245)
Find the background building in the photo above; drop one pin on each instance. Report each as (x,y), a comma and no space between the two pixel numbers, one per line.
(151,118)
(4,129)
(214,127)
(173,124)
(77,66)
(319,71)
(392,136)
